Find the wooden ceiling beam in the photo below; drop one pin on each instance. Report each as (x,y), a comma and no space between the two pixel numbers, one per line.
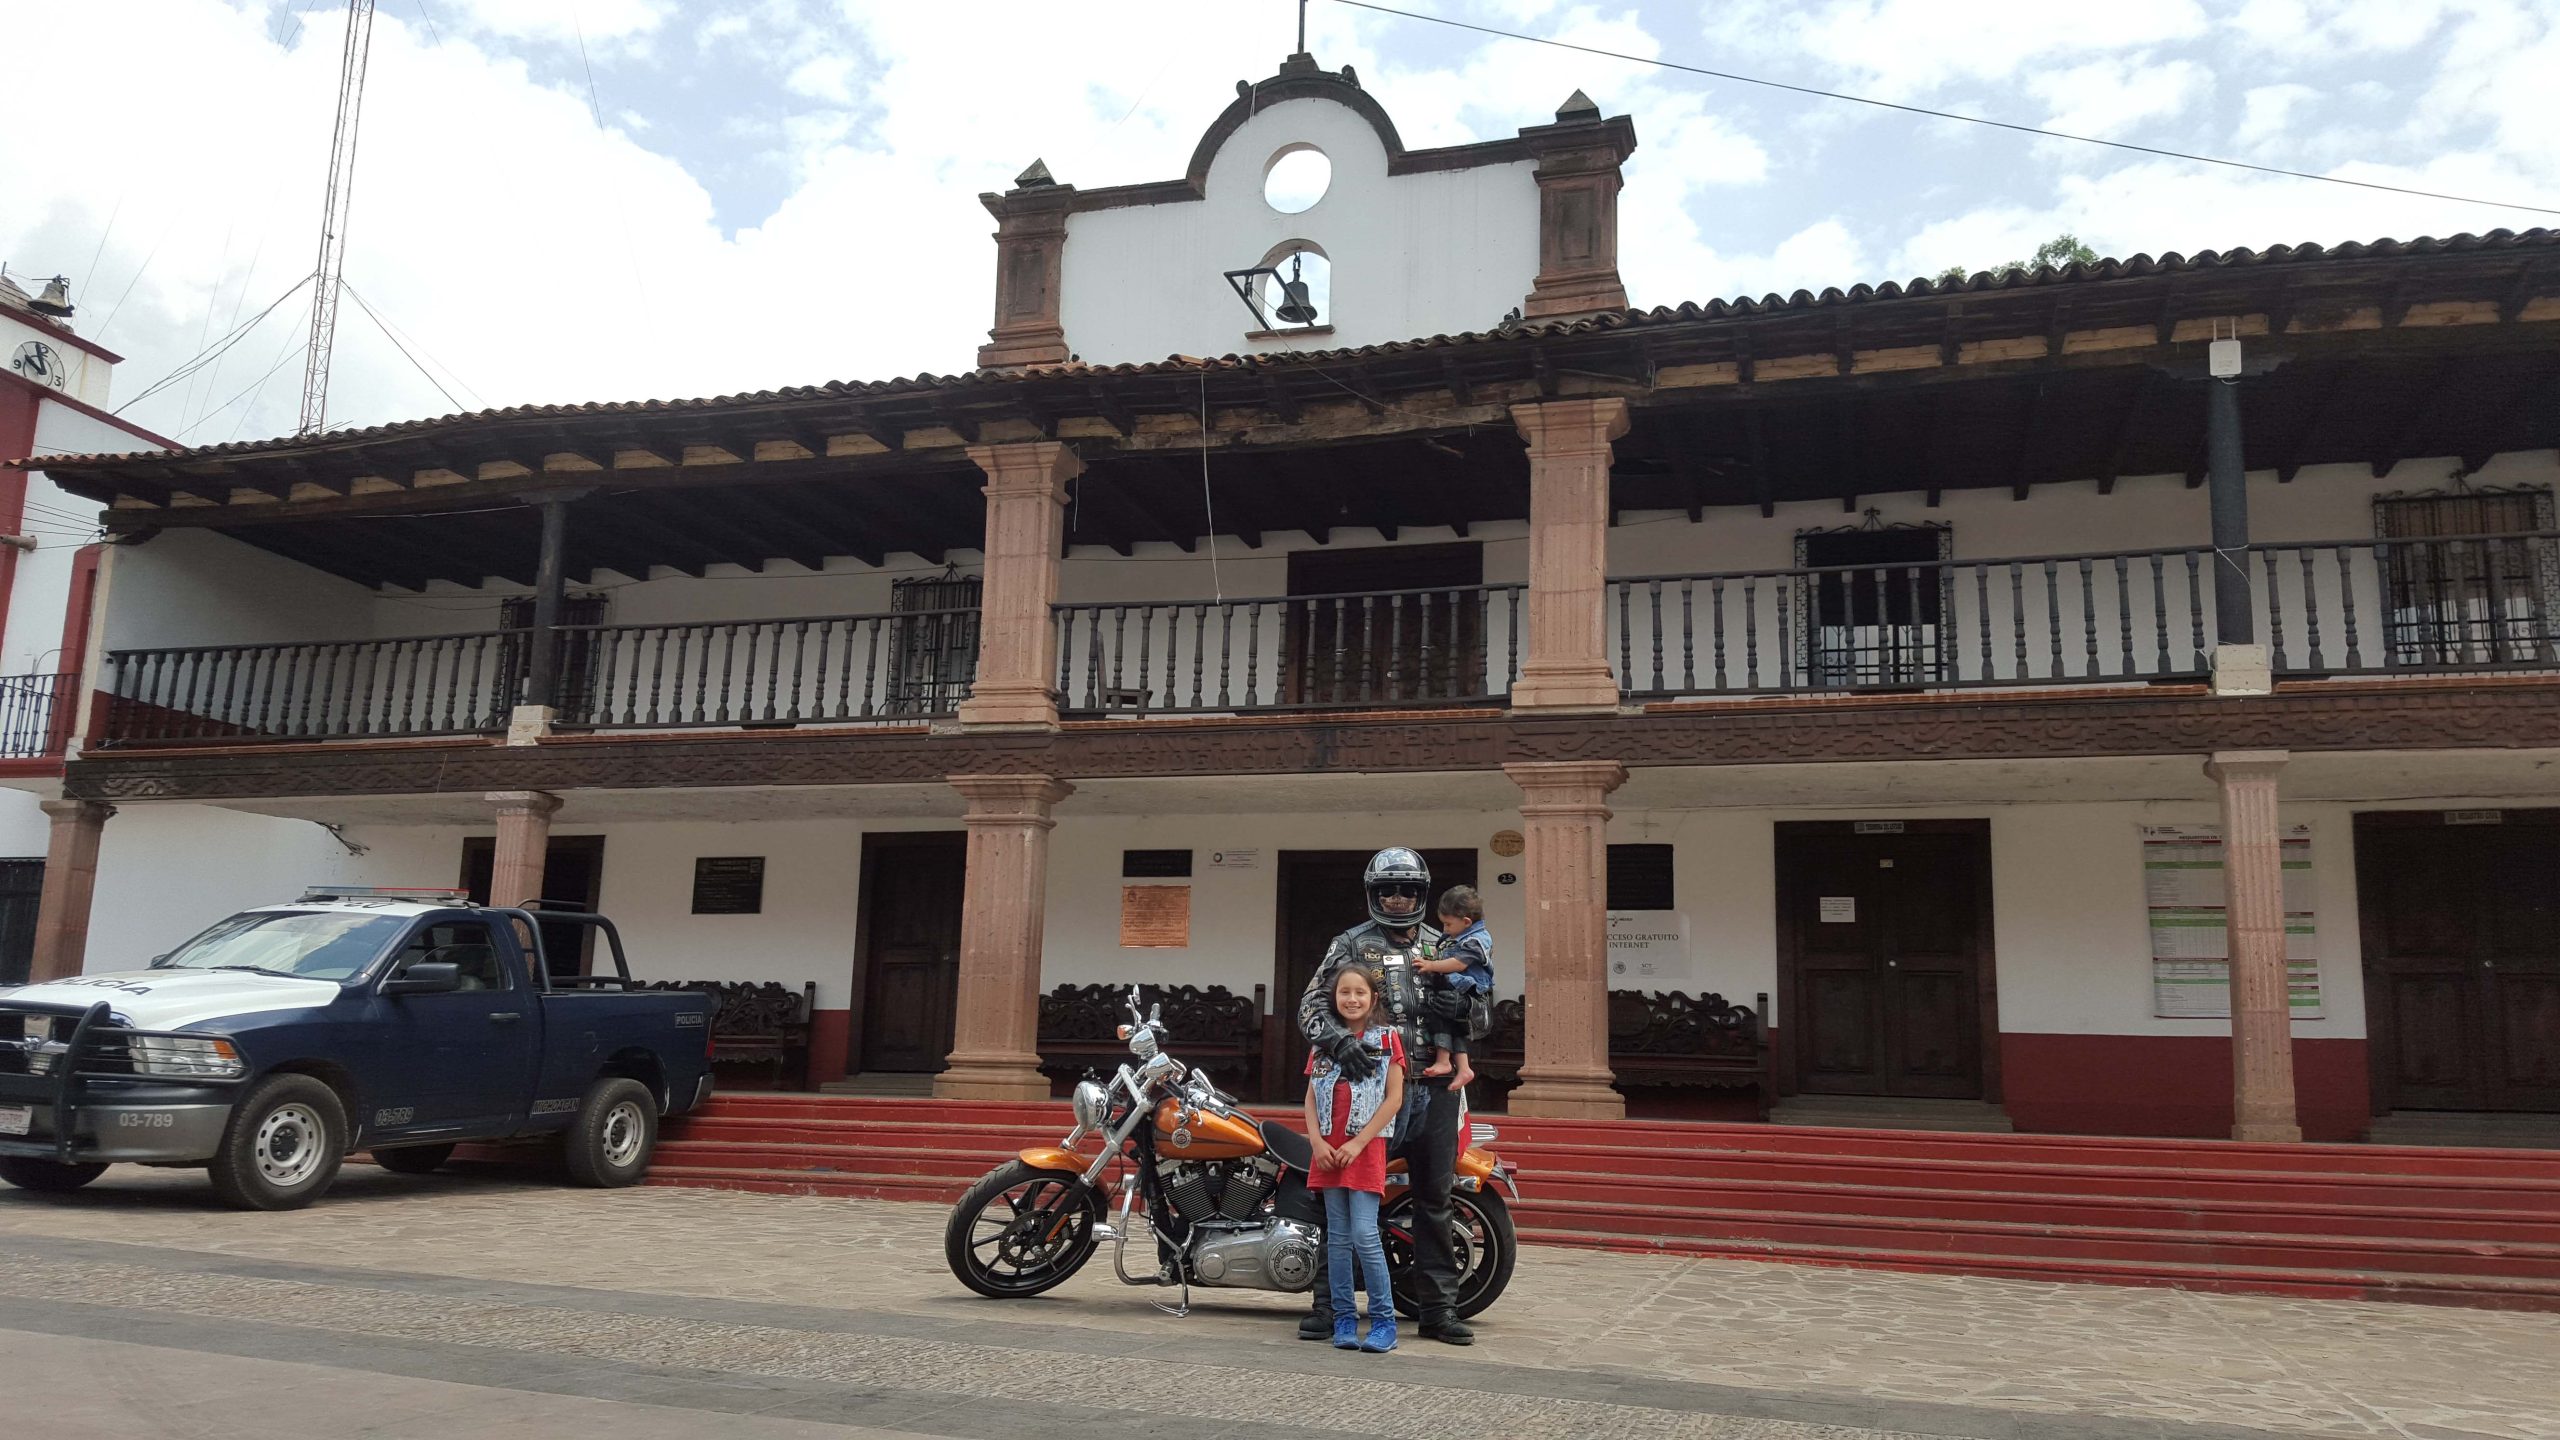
(1460,390)
(1283,403)
(1761,489)
(861,539)
(1105,487)
(2021,470)
(2512,428)
(2146,387)
(703,515)
(796,538)
(642,534)
(2322,389)
(1107,408)
(2531,276)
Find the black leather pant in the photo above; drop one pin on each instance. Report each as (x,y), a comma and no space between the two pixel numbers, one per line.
(1427,1141)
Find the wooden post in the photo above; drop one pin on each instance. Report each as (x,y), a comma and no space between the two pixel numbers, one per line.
(995,1049)
(1564,1064)
(542,647)
(70,881)
(1017,637)
(2234,620)
(1567,666)
(2262,1098)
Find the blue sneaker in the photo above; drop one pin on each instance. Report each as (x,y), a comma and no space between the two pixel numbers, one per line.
(1346,1332)
(1381,1337)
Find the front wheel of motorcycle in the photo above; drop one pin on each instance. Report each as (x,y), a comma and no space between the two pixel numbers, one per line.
(1020,1231)
(1481,1242)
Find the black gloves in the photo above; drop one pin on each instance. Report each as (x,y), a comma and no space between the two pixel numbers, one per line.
(1355,1060)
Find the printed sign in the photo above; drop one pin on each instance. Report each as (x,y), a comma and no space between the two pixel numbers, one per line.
(1155,917)
(1235,859)
(2183,889)
(1649,950)
(1839,909)
(728,885)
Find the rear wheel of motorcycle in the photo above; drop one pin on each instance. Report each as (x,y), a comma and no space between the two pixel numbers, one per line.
(1020,1231)
(1481,1241)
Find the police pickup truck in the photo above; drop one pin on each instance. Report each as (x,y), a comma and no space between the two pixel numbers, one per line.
(403,1022)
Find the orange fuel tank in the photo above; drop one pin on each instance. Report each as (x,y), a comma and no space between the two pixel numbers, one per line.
(1208,1136)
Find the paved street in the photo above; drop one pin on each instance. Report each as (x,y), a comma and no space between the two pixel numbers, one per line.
(487,1305)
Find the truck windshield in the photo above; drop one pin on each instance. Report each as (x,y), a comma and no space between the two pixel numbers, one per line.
(316,944)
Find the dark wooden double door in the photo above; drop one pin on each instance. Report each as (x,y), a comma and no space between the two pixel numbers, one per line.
(1885,939)
(2461,930)
(907,966)
(1320,897)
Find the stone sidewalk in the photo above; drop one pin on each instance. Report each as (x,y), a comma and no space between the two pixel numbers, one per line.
(791,1309)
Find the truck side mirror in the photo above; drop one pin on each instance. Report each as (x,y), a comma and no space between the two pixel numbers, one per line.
(427,977)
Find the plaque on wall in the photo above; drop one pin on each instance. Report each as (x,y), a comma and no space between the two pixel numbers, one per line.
(1507,843)
(1155,917)
(728,885)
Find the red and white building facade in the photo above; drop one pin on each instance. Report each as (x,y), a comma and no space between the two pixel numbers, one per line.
(1957,676)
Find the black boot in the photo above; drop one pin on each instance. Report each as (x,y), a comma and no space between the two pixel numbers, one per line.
(1317,1323)
(1448,1329)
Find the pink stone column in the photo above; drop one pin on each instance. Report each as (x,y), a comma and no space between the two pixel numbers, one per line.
(1564,1068)
(524,842)
(995,1052)
(70,880)
(1567,664)
(1017,640)
(2261,1008)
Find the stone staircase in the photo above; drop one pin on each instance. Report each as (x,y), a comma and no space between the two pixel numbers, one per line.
(2444,1226)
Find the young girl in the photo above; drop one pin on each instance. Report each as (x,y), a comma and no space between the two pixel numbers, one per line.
(1346,1121)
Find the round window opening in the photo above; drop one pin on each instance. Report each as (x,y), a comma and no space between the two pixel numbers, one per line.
(1296,179)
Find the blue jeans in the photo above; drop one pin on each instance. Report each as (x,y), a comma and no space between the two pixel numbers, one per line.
(1351,1224)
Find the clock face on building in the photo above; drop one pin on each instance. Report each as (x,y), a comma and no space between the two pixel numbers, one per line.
(41,363)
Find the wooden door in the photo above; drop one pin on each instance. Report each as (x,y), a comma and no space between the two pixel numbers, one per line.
(907,966)
(1351,639)
(1320,897)
(2461,927)
(1885,939)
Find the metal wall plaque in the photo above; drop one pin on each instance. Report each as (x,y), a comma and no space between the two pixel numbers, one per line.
(728,885)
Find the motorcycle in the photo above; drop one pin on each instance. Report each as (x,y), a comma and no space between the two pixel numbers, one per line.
(1226,1197)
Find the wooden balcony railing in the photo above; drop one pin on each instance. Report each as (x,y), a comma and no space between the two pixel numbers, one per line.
(1383,650)
(2442,604)
(2438,604)
(36,714)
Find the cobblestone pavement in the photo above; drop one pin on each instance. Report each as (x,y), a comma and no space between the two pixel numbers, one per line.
(481,1303)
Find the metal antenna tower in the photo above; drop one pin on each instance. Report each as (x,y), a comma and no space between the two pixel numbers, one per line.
(333,218)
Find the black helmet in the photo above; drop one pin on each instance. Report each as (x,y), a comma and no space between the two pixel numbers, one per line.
(1396,870)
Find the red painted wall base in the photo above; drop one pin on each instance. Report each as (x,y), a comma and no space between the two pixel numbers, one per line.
(2169,1085)
(830,1044)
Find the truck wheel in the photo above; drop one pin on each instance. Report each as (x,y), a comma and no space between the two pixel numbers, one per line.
(51,1177)
(282,1146)
(617,1127)
(413,1159)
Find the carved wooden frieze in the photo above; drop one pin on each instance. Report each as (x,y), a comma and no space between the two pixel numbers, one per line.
(2427,717)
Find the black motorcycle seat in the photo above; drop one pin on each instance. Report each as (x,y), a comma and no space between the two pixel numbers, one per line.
(1294,1149)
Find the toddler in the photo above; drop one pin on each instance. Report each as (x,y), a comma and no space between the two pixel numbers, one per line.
(1463,968)
(1346,1121)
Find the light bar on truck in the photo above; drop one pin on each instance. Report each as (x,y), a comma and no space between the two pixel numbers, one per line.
(442,896)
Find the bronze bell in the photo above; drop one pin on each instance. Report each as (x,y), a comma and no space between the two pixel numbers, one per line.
(1296,307)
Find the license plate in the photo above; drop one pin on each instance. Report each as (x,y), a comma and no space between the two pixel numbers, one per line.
(16,1119)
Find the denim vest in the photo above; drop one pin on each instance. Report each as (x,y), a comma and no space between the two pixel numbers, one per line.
(1366,1095)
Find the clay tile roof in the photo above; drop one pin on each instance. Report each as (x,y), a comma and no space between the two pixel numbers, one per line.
(1688,312)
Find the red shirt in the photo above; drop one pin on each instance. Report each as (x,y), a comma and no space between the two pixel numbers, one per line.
(1369,1172)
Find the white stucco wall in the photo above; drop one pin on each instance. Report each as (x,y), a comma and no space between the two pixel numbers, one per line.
(90,375)
(1443,252)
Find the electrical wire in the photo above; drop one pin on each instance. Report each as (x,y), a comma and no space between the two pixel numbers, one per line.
(396,345)
(199,360)
(1922,110)
(400,336)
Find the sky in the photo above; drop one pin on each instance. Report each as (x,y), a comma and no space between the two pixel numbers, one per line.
(569,200)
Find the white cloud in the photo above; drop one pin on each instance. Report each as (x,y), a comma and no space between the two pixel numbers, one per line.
(2114,97)
(559,21)
(823,77)
(2268,111)
(1901,49)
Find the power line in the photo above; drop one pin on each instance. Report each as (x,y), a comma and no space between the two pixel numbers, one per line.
(202,358)
(403,349)
(402,337)
(1947,114)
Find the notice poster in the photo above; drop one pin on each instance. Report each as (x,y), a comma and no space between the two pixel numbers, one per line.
(1649,950)
(2183,890)
(1155,917)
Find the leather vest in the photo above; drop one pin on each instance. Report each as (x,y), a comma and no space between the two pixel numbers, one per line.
(1400,999)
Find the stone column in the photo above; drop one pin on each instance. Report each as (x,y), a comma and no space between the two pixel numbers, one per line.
(1567,665)
(1579,174)
(2261,1008)
(1564,1068)
(995,1052)
(524,838)
(70,879)
(1026,494)
(1031,248)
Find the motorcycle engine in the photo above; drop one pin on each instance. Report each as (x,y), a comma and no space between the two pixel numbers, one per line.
(1220,1190)
(1273,1255)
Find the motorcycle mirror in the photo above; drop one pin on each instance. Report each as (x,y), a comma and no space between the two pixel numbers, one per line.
(1123,1032)
(1155,1014)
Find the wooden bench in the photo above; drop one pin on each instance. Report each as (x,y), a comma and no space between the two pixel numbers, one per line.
(1212,1028)
(757,1022)
(1656,1038)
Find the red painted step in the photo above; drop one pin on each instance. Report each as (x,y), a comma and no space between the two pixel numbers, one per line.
(2448,1226)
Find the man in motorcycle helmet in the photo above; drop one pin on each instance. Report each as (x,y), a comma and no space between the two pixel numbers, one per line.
(1396,934)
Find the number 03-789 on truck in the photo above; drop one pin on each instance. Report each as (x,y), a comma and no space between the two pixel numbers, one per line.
(403,1022)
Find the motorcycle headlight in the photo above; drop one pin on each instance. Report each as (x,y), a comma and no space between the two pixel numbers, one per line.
(192,1056)
(1092,1105)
